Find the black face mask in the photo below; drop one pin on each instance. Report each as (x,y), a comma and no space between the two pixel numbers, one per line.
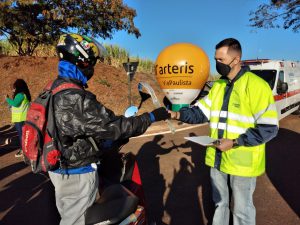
(223,69)
(88,72)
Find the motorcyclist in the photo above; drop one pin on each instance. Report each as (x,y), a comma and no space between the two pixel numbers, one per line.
(83,124)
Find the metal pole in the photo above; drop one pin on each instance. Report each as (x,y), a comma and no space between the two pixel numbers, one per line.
(129,82)
(129,89)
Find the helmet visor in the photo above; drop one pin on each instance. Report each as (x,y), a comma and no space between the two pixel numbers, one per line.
(101,50)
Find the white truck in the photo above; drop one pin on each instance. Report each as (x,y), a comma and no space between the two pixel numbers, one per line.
(284,80)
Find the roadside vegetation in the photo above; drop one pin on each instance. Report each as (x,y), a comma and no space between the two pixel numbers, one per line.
(115,56)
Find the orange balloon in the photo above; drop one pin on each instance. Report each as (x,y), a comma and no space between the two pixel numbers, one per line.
(179,67)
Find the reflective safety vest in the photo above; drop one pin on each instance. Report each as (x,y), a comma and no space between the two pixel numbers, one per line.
(19,113)
(251,102)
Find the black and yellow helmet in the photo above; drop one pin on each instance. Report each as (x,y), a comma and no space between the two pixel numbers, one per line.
(80,50)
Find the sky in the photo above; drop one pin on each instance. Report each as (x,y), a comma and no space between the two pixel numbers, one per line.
(203,23)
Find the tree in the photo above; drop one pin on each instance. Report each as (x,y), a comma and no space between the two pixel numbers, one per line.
(278,13)
(28,23)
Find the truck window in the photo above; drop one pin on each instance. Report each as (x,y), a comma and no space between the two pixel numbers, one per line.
(280,79)
(280,82)
(281,76)
(267,75)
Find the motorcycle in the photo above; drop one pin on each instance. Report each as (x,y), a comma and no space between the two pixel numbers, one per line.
(122,198)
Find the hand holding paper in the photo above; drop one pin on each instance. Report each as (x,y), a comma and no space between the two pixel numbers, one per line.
(203,140)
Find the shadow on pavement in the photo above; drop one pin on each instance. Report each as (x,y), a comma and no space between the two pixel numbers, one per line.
(154,183)
(283,166)
(8,139)
(24,199)
(11,169)
(28,199)
(201,176)
(182,203)
(6,128)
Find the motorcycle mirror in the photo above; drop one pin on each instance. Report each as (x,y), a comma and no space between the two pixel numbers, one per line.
(131,111)
(144,96)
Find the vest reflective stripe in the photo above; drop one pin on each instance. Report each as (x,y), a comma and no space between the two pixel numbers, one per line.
(207,101)
(234,120)
(232,116)
(228,128)
(267,121)
(271,107)
(251,102)
(267,116)
(204,109)
(19,113)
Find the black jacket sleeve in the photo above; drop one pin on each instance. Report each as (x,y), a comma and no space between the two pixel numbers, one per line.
(82,115)
(102,122)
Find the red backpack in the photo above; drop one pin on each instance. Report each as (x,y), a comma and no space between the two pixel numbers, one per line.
(40,143)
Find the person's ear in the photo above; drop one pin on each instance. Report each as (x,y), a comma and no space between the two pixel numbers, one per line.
(236,60)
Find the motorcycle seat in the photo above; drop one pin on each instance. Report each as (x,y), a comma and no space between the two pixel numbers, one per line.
(115,204)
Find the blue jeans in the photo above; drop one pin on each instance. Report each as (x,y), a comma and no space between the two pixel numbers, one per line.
(18,127)
(242,192)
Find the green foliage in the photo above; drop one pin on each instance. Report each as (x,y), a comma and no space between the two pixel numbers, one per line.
(145,65)
(42,50)
(116,56)
(6,48)
(29,23)
(278,13)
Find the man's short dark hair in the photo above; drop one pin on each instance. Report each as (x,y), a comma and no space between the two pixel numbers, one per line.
(231,43)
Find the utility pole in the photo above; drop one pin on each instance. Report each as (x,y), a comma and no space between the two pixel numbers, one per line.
(130,68)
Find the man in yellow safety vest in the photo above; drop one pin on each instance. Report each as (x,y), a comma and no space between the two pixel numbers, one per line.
(242,115)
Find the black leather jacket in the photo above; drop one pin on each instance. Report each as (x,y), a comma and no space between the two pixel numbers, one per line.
(83,124)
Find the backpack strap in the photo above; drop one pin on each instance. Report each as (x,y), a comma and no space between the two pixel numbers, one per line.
(65,86)
(51,126)
(48,86)
(61,87)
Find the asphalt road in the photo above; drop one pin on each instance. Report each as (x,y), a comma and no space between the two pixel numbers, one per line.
(177,182)
(175,179)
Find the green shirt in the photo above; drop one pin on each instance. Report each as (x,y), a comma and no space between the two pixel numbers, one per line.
(19,106)
(17,101)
